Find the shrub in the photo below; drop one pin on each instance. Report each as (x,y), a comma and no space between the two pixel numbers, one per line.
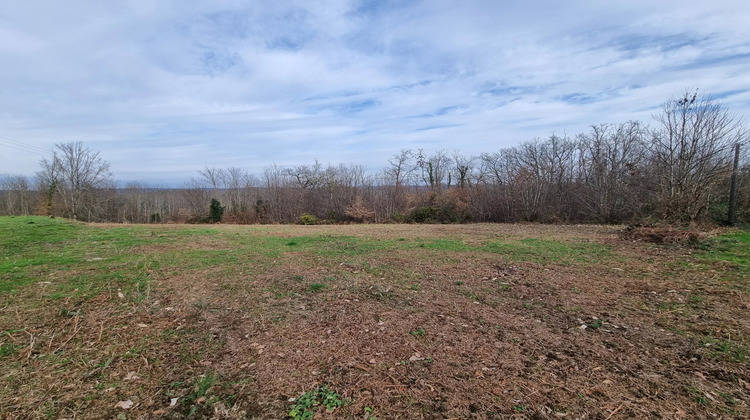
(308,219)
(425,214)
(216,211)
(359,212)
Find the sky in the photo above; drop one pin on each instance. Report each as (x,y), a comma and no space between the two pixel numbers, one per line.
(165,88)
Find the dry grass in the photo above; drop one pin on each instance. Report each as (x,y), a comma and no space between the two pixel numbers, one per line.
(412,322)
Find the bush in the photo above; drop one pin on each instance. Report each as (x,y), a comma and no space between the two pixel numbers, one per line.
(451,206)
(426,214)
(447,212)
(216,211)
(359,212)
(308,219)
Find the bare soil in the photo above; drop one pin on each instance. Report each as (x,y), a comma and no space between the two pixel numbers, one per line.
(647,331)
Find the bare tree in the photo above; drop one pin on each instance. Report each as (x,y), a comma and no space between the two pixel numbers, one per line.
(80,177)
(306,176)
(691,150)
(17,196)
(611,160)
(212,176)
(401,167)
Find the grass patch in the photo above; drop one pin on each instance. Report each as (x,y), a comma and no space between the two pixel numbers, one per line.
(74,258)
(732,249)
(544,251)
(727,350)
(316,287)
(8,349)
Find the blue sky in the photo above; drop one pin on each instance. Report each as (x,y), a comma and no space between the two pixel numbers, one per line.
(165,88)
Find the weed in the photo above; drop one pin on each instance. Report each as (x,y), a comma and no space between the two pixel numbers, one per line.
(8,349)
(595,324)
(471,295)
(105,364)
(315,287)
(307,404)
(419,332)
(697,396)
(459,283)
(201,389)
(728,398)
(370,413)
(520,408)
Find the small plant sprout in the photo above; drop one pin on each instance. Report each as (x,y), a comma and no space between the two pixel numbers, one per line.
(419,332)
(307,404)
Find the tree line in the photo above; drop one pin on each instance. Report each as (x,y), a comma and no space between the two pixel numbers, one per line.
(676,170)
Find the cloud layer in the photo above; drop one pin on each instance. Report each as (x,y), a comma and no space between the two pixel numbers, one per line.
(165,89)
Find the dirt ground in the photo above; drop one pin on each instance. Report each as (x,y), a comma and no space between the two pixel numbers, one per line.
(604,327)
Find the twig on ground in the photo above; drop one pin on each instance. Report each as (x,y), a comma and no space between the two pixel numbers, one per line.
(49,345)
(75,331)
(616,410)
(32,340)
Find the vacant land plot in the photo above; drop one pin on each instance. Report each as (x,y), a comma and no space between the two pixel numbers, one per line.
(369,322)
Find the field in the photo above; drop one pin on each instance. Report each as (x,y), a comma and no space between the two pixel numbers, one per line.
(369,322)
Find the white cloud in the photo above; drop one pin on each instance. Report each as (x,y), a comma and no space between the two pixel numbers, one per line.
(165,88)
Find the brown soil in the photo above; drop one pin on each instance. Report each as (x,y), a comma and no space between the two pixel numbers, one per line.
(407,334)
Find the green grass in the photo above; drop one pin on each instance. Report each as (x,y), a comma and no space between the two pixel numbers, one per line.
(84,260)
(315,287)
(8,349)
(70,256)
(727,350)
(544,251)
(732,248)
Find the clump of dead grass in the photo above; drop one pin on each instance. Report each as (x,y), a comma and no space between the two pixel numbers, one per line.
(665,235)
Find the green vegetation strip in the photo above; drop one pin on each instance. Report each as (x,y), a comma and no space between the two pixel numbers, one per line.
(82,259)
